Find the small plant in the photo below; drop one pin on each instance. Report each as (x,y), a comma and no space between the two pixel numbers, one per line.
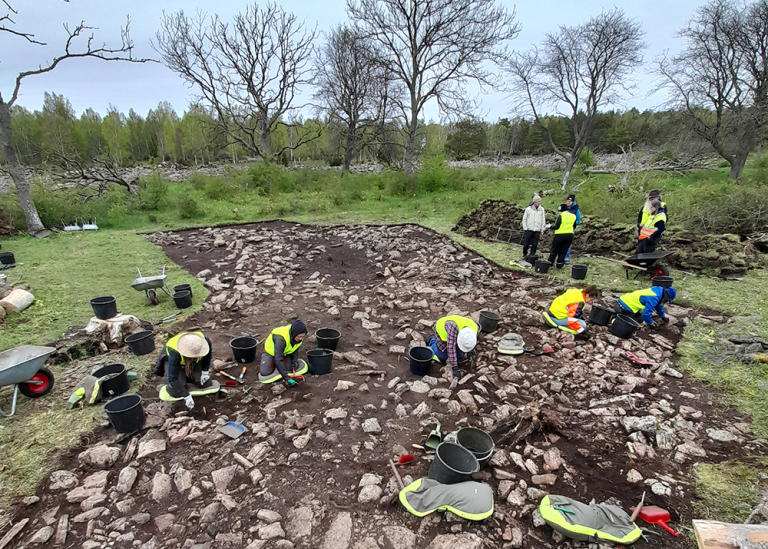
(434,174)
(187,207)
(586,158)
(153,193)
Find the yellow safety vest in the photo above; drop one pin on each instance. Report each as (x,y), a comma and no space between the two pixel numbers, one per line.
(567,222)
(461,322)
(648,228)
(633,300)
(647,214)
(559,307)
(285,333)
(173,344)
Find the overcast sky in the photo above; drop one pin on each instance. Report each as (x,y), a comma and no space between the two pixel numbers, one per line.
(97,84)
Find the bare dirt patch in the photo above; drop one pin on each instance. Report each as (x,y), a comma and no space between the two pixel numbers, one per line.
(599,427)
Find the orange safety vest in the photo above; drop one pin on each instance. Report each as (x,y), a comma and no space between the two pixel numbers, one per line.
(648,228)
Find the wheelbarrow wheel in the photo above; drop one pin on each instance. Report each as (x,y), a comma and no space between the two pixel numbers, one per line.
(41,386)
(659,270)
(152,297)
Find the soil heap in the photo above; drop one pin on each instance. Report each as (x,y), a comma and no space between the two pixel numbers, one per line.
(713,254)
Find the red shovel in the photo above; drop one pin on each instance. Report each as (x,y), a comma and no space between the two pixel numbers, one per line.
(656,515)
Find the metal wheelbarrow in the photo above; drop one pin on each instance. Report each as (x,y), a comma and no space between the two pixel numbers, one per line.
(149,284)
(645,264)
(23,368)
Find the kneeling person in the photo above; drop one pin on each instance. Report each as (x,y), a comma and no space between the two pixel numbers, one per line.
(566,311)
(454,335)
(642,303)
(279,361)
(188,356)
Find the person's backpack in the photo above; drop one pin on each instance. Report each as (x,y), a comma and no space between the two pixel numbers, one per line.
(593,522)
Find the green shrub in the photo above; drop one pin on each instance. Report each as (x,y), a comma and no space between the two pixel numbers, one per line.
(153,193)
(217,188)
(586,158)
(434,174)
(187,207)
(264,177)
(197,181)
(757,170)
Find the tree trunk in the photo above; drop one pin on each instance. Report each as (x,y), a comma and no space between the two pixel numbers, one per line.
(570,162)
(410,144)
(265,137)
(35,226)
(348,149)
(737,163)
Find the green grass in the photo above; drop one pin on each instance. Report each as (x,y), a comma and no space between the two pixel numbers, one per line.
(66,270)
(728,492)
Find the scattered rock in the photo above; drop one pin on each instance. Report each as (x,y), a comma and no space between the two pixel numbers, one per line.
(126,479)
(161,486)
(42,536)
(456,541)
(339,534)
(371,426)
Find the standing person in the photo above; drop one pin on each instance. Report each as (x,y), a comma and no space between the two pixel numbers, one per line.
(642,304)
(534,223)
(563,229)
(280,360)
(188,357)
(645,211)
(652,229)
(454,336)
(573,207)
(567,310)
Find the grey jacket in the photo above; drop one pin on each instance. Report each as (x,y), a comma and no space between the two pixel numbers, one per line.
(534,219)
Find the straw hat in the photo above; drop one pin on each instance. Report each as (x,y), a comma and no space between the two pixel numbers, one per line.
(193,346)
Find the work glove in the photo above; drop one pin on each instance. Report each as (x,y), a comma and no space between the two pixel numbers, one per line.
(665,320)
(189,402)
(458,373)
(651,326)
(290,383)
(204,377)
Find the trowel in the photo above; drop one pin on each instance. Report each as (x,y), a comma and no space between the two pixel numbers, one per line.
(434,438)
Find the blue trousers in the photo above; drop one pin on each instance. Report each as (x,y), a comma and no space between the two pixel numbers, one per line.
(442,356)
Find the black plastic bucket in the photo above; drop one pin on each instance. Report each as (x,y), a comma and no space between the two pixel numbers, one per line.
(125,413)
(420,360)
(600,315)
(7,258)
(623,326)
(478,442)
(662,281)
(114,380)
(579,272)
(453,464)
(141,343)
(489,321)
(542,266)
(327,338)
(183,288)
(244,349)
(104,307)
(183,299)
(320,361)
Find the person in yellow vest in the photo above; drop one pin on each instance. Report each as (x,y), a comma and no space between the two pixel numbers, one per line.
(643,303)
(563,230)
(280,360)
(188,355)
(650,232)
(454,337)
(567,310)
(645,212)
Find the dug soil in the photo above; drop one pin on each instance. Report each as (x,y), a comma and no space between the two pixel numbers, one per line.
(312,468)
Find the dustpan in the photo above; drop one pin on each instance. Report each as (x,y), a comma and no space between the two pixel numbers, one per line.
(434,438)
(232,429)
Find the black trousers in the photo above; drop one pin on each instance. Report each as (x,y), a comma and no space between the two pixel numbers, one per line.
(645,246)
(559,247)
(530,240)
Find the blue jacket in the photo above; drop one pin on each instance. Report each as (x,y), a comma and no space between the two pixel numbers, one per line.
(574,209)
(651,303)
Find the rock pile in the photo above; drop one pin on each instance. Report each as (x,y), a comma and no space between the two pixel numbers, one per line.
(717,255)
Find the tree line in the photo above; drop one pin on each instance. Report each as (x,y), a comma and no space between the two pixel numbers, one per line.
(374,75)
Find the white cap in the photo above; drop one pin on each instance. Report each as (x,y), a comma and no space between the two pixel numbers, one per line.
(467,340)
(192,346)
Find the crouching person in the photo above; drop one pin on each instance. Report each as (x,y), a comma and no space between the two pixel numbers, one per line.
(643,303)
(280,361)
(188,360)
(454,337)
(567,311)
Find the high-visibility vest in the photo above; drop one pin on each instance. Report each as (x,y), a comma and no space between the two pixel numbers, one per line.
(648,228)
(632,301)
(461,322)
(285,333)
(647,214)
(567,222)
(559,307)
(173,344)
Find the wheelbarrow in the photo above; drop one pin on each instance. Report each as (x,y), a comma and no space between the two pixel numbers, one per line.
(149,284)
(647,264)
(23,368)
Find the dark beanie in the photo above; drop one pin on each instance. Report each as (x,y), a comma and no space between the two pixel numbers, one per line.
(571,197)
(297,328)
(562,208)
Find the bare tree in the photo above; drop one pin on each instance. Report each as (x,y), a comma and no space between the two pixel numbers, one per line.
(351,85)
(248,72)
(92,176)
(433,47)
(73,49)
(720,80)
(578,70)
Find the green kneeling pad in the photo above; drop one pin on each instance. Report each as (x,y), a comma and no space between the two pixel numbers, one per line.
(275,376)
(193,390)
(469,500)
(548,320)
(592,522)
